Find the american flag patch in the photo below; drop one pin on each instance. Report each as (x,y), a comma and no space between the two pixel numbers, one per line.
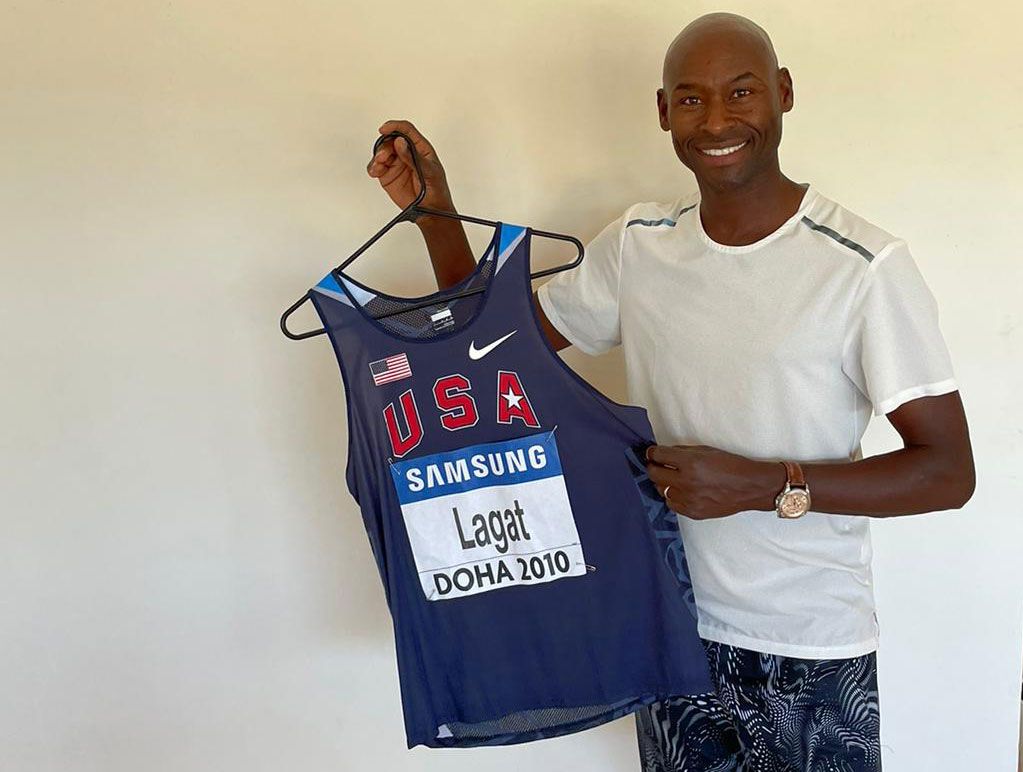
(392,368)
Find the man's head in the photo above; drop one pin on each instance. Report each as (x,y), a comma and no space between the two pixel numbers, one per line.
(722,89)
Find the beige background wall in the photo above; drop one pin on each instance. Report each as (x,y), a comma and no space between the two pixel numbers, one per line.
(184,582)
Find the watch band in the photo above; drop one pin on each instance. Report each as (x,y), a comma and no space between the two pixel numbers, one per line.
(795,474)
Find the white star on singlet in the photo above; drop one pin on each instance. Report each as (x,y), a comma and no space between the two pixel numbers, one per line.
(513,399)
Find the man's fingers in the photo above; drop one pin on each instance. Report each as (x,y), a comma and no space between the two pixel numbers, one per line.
(423,147)
(392,173)
(381,160)
(664,455)
(661,476)
(401,146)
(384,163)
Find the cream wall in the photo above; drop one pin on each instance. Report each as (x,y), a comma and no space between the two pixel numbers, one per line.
(184,582)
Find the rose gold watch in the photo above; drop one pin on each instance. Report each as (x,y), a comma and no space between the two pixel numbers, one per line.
(794,500)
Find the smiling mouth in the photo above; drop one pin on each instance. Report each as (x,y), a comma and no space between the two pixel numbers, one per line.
(714,151)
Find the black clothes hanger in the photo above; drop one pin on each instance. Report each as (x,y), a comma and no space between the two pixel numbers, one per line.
(407,214)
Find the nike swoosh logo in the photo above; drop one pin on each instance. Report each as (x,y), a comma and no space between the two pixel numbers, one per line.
(479,353)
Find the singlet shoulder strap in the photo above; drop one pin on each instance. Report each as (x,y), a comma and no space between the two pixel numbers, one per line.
(330,287)
(511,285)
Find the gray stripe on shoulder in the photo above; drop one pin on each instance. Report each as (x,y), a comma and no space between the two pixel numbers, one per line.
(662,221)
(867,254)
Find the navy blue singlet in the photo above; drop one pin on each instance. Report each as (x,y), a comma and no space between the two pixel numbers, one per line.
(536,580)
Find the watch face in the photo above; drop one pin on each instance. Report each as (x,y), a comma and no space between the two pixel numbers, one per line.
(794,503)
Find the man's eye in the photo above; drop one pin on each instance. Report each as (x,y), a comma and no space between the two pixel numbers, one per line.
(742,92)
(689,100)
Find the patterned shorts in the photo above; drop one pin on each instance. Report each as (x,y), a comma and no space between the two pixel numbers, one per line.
(770,714)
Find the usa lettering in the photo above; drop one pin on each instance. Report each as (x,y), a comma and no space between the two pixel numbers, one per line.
(452,397)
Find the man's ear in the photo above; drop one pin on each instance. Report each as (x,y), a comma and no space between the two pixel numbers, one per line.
(662,110)
(785,91)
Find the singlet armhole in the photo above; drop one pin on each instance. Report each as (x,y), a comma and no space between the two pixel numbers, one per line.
(349,414)
(640,425)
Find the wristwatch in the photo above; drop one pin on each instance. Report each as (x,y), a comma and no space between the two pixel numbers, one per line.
(794,500)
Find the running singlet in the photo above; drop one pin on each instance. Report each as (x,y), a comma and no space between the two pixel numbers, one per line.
(536,581)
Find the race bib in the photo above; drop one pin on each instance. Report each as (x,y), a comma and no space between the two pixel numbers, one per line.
(488,516)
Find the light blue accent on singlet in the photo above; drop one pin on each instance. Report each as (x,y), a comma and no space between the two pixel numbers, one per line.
(511,235)
(328,286)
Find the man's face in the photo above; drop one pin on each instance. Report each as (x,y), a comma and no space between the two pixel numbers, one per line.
(722,101)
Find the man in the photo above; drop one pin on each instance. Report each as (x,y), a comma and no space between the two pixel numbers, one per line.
(761,322)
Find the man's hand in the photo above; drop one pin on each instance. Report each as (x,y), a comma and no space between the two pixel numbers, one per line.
(392,166)
(706,483)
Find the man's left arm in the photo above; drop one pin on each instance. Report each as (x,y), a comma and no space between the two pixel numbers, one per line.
(933,471)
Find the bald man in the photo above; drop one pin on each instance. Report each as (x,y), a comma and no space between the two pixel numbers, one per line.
(762,324)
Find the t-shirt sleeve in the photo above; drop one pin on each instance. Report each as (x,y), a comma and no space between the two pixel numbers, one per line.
(582,302)
(894,350)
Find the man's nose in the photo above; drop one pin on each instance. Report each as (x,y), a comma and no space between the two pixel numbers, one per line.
(717,118)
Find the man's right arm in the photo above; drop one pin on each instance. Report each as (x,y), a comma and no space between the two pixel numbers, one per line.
(450,252)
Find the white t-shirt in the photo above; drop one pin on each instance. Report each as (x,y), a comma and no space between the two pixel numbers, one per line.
(775,350)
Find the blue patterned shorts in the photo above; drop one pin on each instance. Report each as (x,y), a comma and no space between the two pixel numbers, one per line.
(770,714)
